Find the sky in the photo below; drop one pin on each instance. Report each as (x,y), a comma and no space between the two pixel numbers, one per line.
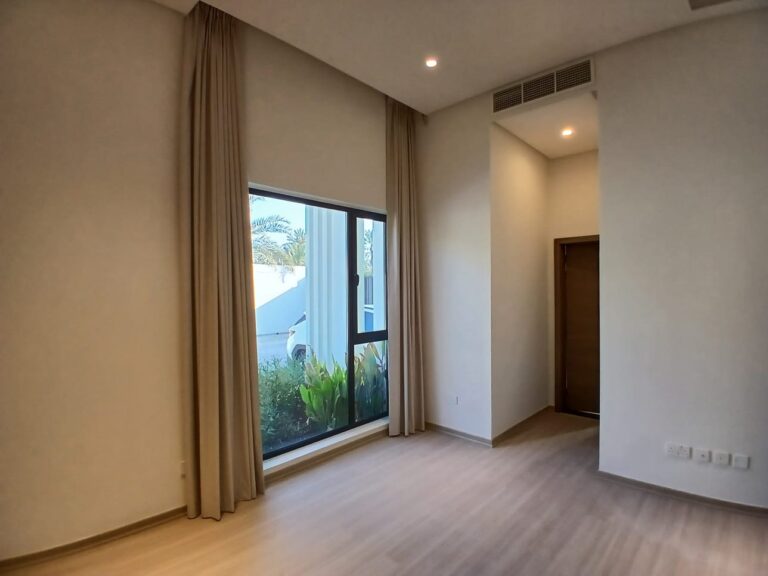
(291,211)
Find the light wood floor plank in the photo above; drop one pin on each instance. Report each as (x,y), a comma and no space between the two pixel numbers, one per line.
(433,504)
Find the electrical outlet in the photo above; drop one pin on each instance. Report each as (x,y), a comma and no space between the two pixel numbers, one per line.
(702,455)
(740,461)
(684,452)
(721,458)
(677,450)
(183,468)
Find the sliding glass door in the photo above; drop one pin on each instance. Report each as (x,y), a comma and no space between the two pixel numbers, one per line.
(320,291)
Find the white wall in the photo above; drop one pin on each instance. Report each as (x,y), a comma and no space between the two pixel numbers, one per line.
(518,280)
(453,171)
(90,430)
(573,209)
(310,128)
(684,273)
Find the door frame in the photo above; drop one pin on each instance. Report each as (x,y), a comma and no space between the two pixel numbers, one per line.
(561,245)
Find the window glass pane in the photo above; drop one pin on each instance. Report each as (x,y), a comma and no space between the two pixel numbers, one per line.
(300,288)
(370,380)
(371,269)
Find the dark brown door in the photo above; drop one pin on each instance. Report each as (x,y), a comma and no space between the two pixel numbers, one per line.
(579,307)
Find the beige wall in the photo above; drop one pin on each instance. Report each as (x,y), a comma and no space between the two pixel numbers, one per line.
(453,171)
(482,202)
(310,128)
(90,431)
(518,221)
(90,399)
(573,209)
(490,206)
(90,435)
(684,273)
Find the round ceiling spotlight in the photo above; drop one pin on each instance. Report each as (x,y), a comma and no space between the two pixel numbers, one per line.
(567,132)
(431,62)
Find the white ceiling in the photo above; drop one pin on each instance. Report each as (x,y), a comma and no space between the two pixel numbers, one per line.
(481,44)
(540,125)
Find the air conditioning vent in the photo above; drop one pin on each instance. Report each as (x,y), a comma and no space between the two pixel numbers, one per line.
(575,75)
(539,87)
(508,97)
(543,85)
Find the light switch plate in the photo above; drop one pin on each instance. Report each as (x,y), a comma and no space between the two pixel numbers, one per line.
(741,461)
(702,455)
(721,458)
(684,452)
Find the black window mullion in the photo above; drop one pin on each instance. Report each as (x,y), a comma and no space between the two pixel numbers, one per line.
(365,337)
(353,281)
(355,336)
(367,215)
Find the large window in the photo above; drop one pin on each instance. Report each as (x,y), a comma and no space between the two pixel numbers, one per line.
(320,288)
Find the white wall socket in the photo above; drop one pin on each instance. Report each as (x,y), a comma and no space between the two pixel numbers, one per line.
(741,461)
(677,450)
(721,458)
(702,455)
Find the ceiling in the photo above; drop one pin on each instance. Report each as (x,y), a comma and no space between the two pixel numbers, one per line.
(541,125)
(481,44)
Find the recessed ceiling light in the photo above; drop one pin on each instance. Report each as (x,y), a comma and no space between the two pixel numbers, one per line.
(431,62)
(566,132)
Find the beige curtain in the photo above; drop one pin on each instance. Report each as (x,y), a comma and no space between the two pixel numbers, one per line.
(406,389)
(224,459)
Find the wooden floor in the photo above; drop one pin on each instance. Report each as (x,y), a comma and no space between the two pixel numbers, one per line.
(433,504)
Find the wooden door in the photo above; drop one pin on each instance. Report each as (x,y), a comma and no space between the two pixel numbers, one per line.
(577,305)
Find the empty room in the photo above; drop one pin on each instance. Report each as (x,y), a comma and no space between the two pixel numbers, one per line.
(386,287)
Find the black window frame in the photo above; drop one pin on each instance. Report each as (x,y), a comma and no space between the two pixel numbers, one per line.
(354,336)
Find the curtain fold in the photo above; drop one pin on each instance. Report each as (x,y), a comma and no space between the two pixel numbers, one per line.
(222,434)
(406,388)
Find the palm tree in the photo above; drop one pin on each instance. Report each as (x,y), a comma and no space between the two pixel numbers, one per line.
(295,248)
(265,249)
(368,251)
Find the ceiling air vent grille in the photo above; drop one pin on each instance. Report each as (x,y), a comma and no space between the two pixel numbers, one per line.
(539,87)
(543,85)
(508,97)
(575,75)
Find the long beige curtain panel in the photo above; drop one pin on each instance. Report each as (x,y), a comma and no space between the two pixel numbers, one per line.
(406,382)
(224,459)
